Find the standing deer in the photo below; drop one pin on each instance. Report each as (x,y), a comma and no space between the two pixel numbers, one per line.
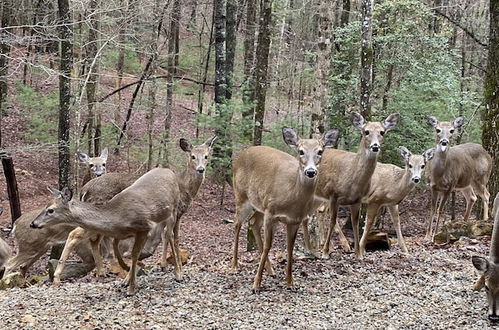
(154,198)
(96,166)
(346,176)
(465,167)
(275,186)
(390,184)
(33,244)
(489,268)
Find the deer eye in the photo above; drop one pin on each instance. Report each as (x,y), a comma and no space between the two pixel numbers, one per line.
(410,165)
(193,157)
(422,166)
(382,133)
(104,164)
(451,131)
(301,152)
(320,152)
(438,130)
(486,288)
(91,165)
(366,133)
(205,156)
(50,211)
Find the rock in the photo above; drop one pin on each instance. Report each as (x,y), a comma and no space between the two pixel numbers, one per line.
(28,319)
(377,241)
(13,280)
(453,231)
(71,269)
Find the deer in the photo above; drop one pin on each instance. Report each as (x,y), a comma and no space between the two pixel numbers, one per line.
(96,166)
(346,176)
(33,244)
(489,268)
(465,167)
(5,252)
(157,196)
(390,185)
(270,186)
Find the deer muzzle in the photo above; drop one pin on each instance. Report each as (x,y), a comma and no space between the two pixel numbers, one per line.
(310,173)
(375,147)
(416,179)
(200,169)
(34,225)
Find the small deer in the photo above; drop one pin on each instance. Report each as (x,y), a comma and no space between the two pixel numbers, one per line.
(33,244)
(489,268)
(390,184)
(465,167)
(96,166)
(154,198)
(346,176)
(272,186)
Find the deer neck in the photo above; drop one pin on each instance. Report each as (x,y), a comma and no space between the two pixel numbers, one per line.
(494,242)
(304,186)
(189,183)
(365,163)
(95,217)
(405,184)
(439,160)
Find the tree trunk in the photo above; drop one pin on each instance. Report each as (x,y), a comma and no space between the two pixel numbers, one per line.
(249,64)
(66,63)
(262,63)
(490,135)
(93,68)
(366,59)
(4,59)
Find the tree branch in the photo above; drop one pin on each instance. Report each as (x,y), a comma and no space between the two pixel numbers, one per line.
(459,25)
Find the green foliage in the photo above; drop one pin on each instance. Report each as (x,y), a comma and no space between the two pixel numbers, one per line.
(131,65)
(41,111)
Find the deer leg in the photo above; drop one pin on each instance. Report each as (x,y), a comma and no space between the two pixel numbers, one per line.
(153,239)
(434,202)
(257,232)
(441,205)
(481,190)
(75,236)
(169,230)
(140,240)
(166,242)
(268,223)
(333,209)
(242,214)
(395,215)
(118,256)
(306,234)
(343,239)
(292,229)
(480,283)
(470,197)
(372,211)
(176,239)
(99,264)
(354,210)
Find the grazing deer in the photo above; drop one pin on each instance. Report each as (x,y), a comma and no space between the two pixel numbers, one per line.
(465,167)
(157,196)
(96,166)
(489,268)
(390,184)
(33,244)
(5,252)
(275,186)
(346,176)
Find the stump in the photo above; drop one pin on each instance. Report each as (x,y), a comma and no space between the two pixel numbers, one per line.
(378,241)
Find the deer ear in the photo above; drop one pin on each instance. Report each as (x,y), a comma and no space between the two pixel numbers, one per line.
(458,122)
(67,194)
(480,263)
(56,193)
(185,145)
(83,157)
(330,138)
(428,154)
(405,153)
(357,120)
(210,142)
(391,121)
(290,137)
(104,153)
(432,121)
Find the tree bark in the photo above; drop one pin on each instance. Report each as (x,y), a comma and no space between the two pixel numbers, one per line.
(66,63)
(4,59)
(490,132)
(366,59)
(249,64)
(262,63)
(91,47)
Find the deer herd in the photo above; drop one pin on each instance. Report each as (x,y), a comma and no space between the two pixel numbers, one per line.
(128,214)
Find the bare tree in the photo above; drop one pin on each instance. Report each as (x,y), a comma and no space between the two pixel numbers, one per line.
(366,59)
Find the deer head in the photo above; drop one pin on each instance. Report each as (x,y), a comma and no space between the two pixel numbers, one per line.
(97,165)
(373,132)
(309,150)
(414,163)
(198,155)
(445,130)
(57,211)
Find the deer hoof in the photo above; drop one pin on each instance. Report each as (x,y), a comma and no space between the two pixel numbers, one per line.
(256,290)
(56,281)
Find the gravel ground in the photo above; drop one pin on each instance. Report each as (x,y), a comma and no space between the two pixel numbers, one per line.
(431,288)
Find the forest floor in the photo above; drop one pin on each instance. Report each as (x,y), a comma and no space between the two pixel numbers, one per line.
(428,288)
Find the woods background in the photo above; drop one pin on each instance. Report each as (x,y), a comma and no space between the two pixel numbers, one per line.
(90,74)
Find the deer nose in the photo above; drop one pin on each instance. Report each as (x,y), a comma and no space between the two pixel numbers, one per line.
(493,318)
(375,147)
(310,172)
(416,179)
(32,225)
(444,142)
(200,170)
